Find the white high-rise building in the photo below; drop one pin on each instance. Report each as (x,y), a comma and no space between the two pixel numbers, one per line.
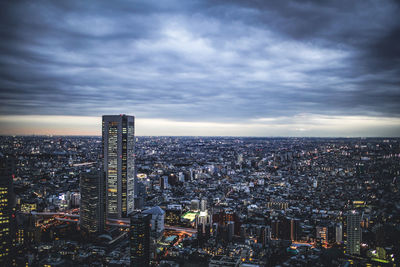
(339,233)
(203,205)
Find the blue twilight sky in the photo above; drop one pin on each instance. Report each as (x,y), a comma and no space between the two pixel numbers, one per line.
(251,67)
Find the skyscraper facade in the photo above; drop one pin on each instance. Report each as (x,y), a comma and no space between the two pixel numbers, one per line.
(203,205)
(140,239)
(339,233)
(7,205)
(353,233)
(92,189)
(322,234)
(119,164)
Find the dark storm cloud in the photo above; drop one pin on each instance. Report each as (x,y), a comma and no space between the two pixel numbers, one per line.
(200,60)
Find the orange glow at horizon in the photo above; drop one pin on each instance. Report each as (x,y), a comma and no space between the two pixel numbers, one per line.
(301,125)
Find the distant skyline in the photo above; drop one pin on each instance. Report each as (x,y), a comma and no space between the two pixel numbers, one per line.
(201,68)
(299,127)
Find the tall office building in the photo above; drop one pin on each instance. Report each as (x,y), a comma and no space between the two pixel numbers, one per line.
(140,239)
(295,229)
(92,189)
(353,233)
(7,205)
(322,234)
(119,164)
(203,205)
(339,233)
(194,205)
(157,221)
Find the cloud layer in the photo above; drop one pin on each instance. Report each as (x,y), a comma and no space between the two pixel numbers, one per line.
(200,61)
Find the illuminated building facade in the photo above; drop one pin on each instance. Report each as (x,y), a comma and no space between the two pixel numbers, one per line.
(295,229)
(28,207)
(173,214)
(203,205)
(92,218)
(140,239)
(285,228)
(264,235)
(119,164)
(339,233)
(6,209)
(222,218)
(278,205)
(204,219)
(353,233)
(322,234)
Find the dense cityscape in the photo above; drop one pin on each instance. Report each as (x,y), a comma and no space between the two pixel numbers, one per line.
(126,200)
(203,133)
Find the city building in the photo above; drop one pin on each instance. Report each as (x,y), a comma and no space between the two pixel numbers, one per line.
(254,212)
(285,228)
(353,233)
(118,148)
(339,233)
(140,239)
(203,205)
(195,205)
(231,230)
(173,214)
(92,217)
(157,221)
(203,221)
(223,261)
(7,204)
(322,234)
(222,218)
(295,229)
(164,182)
(278,205)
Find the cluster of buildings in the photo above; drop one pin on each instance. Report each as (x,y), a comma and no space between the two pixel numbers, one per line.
(120,200)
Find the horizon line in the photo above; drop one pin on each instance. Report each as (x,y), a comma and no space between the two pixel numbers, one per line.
(224,136)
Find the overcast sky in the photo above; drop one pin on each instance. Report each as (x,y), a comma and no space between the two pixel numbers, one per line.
(264,68)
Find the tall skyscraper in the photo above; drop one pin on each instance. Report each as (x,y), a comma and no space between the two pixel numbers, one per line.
(7,205)
(353,233)
(140,239)
(339,233)
(203,205)
(295,229)
(119,164)
(92,189)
